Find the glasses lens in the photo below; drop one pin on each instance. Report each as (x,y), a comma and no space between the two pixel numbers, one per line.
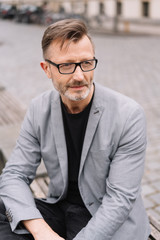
(88,65)
(66,67)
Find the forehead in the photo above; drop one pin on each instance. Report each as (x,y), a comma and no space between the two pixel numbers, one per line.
(71,51)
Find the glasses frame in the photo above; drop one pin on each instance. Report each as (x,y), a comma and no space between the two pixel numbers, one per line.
(76,65)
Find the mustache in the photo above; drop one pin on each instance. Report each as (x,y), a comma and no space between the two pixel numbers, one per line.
(77,83)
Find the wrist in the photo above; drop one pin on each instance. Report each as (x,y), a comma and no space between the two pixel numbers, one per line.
(34,226)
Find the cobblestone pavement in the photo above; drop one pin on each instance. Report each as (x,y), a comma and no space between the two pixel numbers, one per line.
(128,64)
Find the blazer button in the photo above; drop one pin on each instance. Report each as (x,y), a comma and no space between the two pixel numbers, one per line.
(9,217)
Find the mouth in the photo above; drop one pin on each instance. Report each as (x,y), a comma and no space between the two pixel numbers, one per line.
(78,87)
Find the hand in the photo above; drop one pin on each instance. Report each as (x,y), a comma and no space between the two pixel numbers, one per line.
(41,230)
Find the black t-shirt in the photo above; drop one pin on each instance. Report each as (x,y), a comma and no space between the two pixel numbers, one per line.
(75,128)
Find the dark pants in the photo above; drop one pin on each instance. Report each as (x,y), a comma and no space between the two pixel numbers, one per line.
(64,218)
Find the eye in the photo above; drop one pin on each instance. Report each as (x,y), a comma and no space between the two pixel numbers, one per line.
(87,63)
(66,65)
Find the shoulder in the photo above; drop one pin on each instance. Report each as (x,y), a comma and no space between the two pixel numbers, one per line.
(117,108)
(40,106)
(114,100)
(45,98)
(44,101)
(40,110)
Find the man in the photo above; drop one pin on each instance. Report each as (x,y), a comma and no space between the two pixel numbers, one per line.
(92,141)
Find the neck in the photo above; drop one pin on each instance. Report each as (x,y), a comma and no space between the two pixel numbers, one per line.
(77,106)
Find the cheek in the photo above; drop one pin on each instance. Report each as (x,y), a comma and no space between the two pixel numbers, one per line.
(59,80)
(89,76)
(56,77)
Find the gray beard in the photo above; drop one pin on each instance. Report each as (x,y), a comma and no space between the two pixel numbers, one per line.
(77,98)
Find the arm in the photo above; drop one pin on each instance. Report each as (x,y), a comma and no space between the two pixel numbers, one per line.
(123,182)
(41,230)
(19,172)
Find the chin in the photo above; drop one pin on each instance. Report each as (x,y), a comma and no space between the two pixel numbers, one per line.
(76,96)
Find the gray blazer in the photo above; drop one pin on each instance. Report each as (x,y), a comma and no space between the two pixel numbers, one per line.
(111,167)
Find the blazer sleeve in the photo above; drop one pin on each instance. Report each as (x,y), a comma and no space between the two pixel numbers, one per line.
(123,182)
(18,173)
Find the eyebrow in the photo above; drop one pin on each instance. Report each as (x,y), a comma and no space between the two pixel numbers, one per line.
(72,61)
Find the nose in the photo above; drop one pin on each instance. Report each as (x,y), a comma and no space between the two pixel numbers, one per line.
(78,74)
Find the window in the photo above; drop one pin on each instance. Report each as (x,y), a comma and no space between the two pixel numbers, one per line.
(119,8)
(101,8)
(145,9)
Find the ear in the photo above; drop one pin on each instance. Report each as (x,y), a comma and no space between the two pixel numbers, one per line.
(45,66)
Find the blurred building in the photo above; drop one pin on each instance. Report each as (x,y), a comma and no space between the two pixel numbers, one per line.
(130,9)
(126,9)
(133,9)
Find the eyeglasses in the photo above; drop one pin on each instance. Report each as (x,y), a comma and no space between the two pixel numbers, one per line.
(69,68)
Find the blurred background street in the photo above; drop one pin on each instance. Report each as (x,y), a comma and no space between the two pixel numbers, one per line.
(128,63)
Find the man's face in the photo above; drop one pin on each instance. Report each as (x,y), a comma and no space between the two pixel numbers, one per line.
(75,86)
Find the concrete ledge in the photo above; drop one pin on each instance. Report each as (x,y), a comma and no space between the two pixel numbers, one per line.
(155,228)
(11,116)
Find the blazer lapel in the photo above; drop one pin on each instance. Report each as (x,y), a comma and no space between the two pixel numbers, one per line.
(59,135)
(94,117)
